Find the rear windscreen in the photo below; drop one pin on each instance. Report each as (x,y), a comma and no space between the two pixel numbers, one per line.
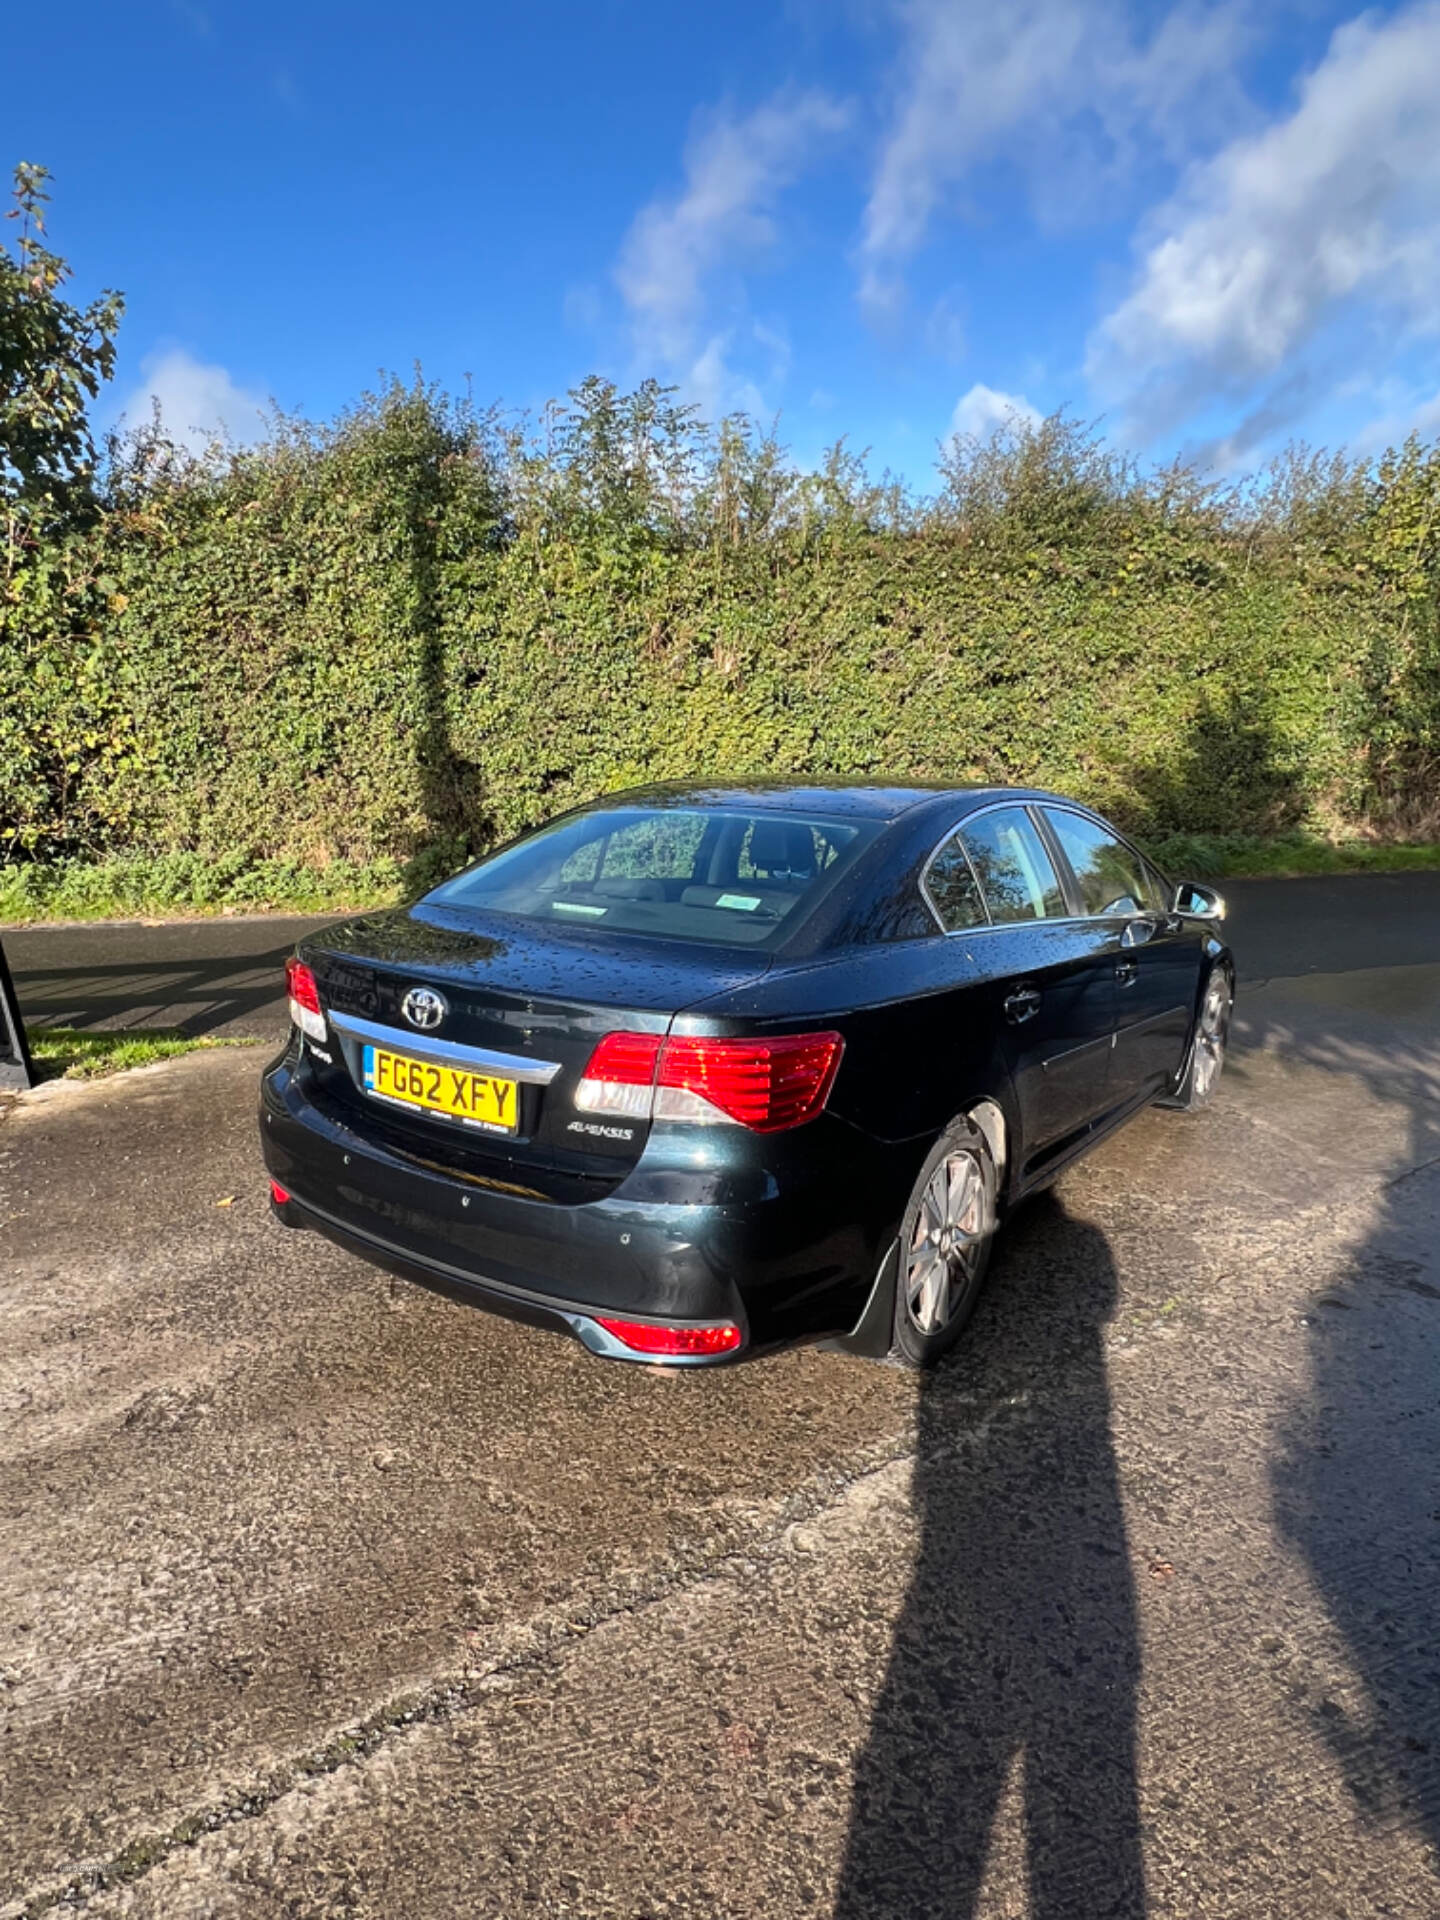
(731,878)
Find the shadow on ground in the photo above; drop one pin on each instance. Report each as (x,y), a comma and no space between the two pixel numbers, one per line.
(1017,1650)
(1356,1468)
(218,976)
(1016,1662)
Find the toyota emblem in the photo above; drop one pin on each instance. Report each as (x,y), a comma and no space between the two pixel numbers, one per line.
(423,1007)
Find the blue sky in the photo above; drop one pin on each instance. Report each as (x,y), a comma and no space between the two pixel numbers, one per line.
(1215,225)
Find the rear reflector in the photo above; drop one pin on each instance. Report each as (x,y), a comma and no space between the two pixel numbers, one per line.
(764,1084)
(641,1337)
(621,1076)
(304,999)
(278,1193)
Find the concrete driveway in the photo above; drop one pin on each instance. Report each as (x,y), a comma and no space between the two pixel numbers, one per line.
(320,1595)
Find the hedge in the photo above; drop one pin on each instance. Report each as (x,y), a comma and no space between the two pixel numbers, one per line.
(392,639)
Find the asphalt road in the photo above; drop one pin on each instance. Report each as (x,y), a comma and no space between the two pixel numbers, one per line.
(227,975)
(324,1596)
(206,976)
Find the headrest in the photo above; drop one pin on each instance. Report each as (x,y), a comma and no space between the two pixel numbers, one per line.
(779,846)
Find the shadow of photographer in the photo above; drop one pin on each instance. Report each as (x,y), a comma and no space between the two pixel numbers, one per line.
(1016,1653)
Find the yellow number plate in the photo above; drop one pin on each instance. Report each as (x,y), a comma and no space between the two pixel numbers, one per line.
(459,1094)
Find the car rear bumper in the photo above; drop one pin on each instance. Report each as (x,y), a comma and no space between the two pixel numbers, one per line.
(778,1266)
(512,1303)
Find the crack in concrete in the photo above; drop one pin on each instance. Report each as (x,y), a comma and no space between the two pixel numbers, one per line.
(1410,1172)
(448,1697)
(553,1632)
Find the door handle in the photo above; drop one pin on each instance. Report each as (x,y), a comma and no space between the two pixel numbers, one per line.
(1125,972)
(1022,1005)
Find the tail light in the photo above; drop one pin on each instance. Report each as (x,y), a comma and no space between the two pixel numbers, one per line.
(304,999)
(699,1343)
(278,1193)
(621,1076)
(765,1084)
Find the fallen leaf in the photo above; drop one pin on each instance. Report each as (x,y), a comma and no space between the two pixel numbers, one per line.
(228,1201)
(1161,1570)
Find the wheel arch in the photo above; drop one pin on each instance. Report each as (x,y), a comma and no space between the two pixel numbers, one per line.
(871,1333)
(989,1117)
(1218,958)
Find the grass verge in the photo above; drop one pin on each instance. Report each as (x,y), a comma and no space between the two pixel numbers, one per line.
(1218,856)
(144,887)
(180,885)
(65,1053)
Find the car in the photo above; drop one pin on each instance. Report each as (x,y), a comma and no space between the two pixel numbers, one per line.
(705,1069)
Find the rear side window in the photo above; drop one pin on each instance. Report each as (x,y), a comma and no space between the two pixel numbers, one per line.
(728,878)
(953,889)
(1016,874)
(1113,879)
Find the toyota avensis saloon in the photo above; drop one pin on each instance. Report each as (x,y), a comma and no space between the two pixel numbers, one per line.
(702,1069)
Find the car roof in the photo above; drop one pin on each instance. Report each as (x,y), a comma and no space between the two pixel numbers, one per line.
(873,799)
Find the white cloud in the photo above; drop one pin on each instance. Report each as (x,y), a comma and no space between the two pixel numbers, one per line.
(724,218)
(1067,90)
(1400,415)
(945,329)
(1285,230)
(978,412)
(198,403)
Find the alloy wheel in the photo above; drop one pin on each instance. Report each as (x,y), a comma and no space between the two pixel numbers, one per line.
(947,1243)
(1210,1036)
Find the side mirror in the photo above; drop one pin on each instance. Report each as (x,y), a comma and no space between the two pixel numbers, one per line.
(1197,902)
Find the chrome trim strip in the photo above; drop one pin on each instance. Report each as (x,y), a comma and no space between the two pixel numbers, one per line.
(603,1343)
(447,1053)
(1152,1020)
(1069,1053)
(989,925)
(1058,920)
(1020,926)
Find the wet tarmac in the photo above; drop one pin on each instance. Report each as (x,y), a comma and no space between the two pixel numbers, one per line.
(226,975)
(323,1596)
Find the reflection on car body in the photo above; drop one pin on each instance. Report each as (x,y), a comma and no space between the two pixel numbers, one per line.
(739,1065)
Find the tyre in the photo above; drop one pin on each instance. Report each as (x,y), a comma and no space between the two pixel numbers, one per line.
(1207,1049)
(945,1238)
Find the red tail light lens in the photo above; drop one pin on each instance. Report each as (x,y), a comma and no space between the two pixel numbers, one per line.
(677,1342)
(278,1193)
(300,984)
(305,1008)
(765,1084)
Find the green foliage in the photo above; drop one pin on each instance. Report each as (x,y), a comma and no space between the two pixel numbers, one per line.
(53,357)
(346,659)
(1213,856)
(65,1053)
(142,885)
(186,884)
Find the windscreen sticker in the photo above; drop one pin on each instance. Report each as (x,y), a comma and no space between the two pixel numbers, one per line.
(577,906)
(745,902)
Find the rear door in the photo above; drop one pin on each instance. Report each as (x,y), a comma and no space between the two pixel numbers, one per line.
(1050,990)
(1157,954)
